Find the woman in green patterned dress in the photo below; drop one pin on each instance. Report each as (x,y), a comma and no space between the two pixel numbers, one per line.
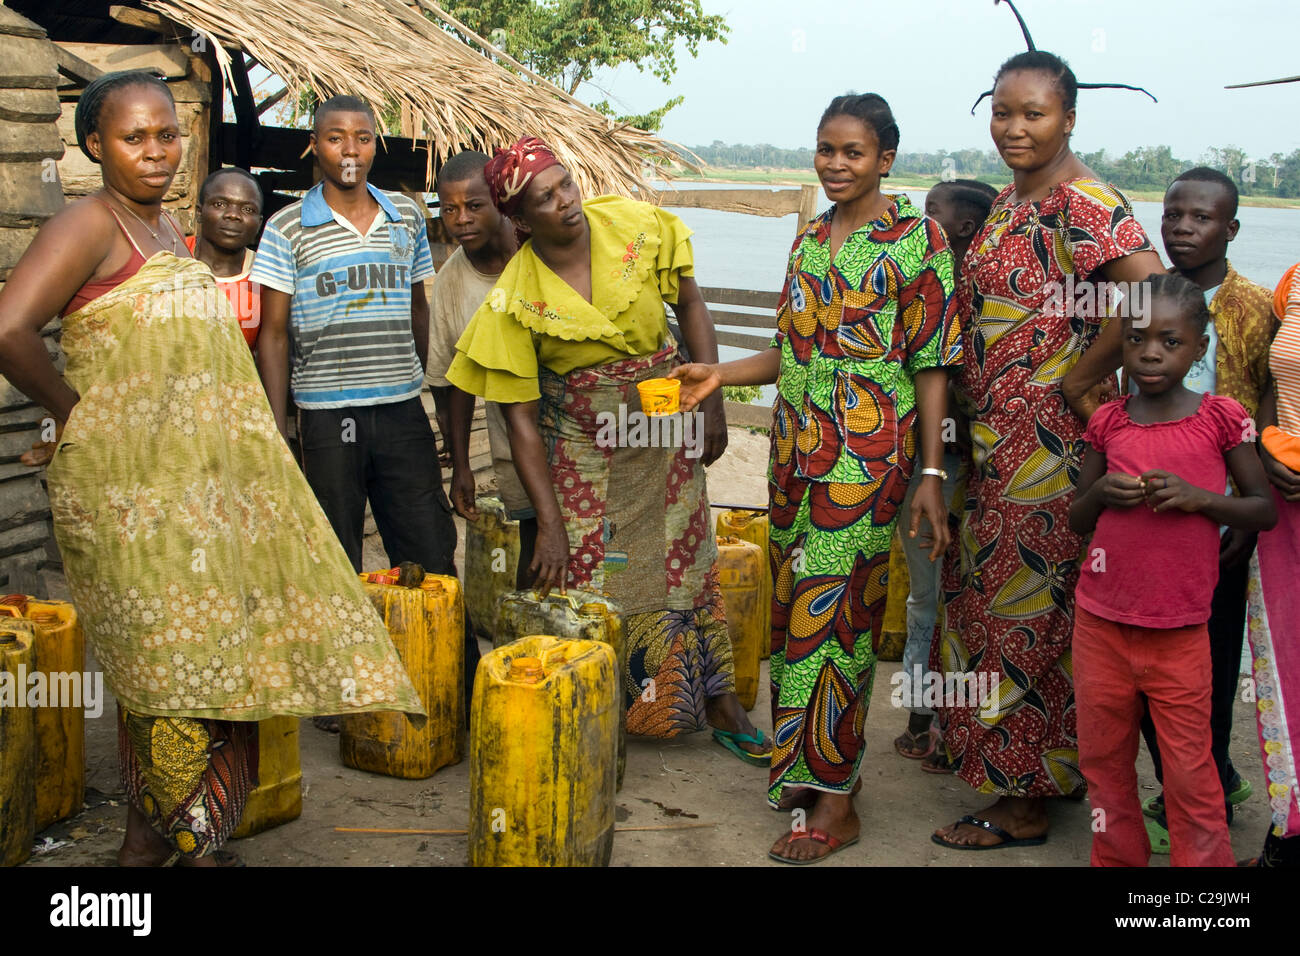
(211,588)
(866,330)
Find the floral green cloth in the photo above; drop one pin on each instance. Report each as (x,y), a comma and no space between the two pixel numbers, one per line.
(207,578)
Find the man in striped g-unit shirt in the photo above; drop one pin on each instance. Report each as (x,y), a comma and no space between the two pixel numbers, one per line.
(345,325)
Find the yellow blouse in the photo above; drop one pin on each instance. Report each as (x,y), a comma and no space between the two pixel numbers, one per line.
(532,317)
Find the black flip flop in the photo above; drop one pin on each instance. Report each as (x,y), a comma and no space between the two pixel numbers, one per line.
(1007,839)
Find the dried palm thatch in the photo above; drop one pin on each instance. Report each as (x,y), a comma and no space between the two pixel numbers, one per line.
(388,52)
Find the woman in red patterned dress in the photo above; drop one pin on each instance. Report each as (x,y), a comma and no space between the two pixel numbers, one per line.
(1038,361)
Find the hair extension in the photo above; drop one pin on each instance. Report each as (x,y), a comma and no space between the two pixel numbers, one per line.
(90,105)
(1056,66)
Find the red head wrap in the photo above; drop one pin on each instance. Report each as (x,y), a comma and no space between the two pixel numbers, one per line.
(510,171)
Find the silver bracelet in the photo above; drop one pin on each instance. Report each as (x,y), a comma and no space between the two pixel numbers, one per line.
(937,472)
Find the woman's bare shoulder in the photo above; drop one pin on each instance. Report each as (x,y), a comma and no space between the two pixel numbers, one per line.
(85,213)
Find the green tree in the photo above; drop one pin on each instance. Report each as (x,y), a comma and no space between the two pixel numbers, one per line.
(566,41)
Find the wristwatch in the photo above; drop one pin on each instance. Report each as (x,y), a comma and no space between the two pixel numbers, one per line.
(937,472)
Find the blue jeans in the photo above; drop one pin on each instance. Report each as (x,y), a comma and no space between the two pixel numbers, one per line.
(923,598)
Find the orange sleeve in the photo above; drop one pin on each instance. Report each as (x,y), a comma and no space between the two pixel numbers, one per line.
(1282,291)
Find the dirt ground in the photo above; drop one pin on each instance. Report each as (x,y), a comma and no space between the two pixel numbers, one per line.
(668,783)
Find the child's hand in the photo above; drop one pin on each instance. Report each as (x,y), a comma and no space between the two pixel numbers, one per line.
(699,381)
(1165,492)
(1118,490)
(1280,476)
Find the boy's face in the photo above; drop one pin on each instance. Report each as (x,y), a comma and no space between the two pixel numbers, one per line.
(940,207)
(344,142)
(1197,224)
(1158,354)
(231,213)
(467,212)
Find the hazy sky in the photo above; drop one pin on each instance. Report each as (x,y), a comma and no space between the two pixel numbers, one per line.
(784,61)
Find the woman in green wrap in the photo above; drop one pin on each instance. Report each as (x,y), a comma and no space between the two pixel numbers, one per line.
(211,588)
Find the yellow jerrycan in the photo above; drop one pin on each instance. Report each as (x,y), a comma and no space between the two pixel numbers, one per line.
(491,562)
(740,573)
(893,637)
(60,652)
(17,742)
(753,526)
(543,748)
(427,625)
(277,798)
(577,615)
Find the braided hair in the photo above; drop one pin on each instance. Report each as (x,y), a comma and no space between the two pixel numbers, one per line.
(1041,61)
(872,111)
(90,105)
(1036,59)
(1183,293)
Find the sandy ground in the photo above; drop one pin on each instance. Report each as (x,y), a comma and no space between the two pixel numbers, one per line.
(669,783)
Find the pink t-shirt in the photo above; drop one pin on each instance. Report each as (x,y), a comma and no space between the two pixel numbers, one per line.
(1149,569)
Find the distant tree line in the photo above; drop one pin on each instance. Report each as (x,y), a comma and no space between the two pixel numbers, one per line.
(1147,168)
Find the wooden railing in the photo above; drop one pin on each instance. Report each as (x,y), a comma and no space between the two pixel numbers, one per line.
(756,416)
(772,203)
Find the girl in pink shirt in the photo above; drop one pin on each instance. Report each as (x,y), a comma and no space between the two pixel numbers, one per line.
(1150,486)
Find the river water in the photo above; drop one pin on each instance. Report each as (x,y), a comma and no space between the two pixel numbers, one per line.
(749,252)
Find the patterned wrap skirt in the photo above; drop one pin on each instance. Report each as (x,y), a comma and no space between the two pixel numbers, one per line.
(189,778)
(637,516)
(830,564)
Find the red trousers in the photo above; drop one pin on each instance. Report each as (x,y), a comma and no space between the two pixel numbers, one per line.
(1114,664)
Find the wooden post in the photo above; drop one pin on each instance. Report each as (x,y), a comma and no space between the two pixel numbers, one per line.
(807,205)
(246,123)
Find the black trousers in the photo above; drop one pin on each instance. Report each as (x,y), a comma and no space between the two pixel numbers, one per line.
(386,453)
(1227,627)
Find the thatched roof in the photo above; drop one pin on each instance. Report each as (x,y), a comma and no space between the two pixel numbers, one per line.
(388,51)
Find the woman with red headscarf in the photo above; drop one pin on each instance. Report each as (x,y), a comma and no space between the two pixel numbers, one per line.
(573,324)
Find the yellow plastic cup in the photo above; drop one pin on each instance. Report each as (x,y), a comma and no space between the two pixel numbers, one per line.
(660,396)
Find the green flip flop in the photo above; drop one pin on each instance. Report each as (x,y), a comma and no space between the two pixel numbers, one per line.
(1158,835)
(1154,806)
(732,741)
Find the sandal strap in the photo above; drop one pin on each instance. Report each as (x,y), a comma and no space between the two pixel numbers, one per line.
(757,740)
(993,828)
(821,836)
